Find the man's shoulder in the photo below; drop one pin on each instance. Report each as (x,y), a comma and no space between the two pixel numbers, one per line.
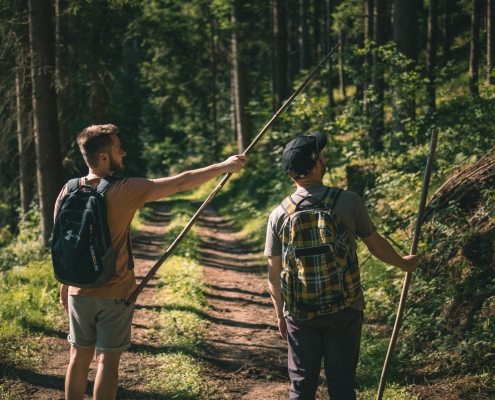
(132,183)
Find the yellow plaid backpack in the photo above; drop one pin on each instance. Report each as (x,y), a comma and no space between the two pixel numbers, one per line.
(320,271)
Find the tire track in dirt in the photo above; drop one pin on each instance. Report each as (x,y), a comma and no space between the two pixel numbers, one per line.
(246,357)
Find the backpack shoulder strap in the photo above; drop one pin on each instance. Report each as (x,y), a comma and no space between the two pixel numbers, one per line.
(73,185)
(331,196)
(288,205)
(105,183)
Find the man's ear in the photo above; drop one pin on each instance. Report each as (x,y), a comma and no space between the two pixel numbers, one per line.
(103,157)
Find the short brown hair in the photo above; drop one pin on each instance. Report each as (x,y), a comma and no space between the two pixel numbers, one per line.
(94,140)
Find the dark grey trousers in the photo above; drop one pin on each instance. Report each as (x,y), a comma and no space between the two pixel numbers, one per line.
(335,337)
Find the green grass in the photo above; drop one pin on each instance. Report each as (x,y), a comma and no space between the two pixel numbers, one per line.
(181,321)
(29,300)
(179,376)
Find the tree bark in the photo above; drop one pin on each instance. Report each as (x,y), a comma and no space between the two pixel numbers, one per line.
(239,74)
(490,39)
(24,110)
(431,52)
(341,65)
(377,107)
(447,30)
(280,55)
(328,45)
(47,138)
(405,29)
(317,27)
(99,97)
(303,35)
(368,35)
(474,53)
(62,75)
(214,84)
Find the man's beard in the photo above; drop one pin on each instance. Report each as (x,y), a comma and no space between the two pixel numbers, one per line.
(114,166)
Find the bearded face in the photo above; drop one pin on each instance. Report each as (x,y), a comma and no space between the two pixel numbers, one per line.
(116,166)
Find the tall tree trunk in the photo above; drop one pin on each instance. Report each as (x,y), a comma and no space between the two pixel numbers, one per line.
(280,55)
(341,65)
(431,53)
(303,35)
(328,45)
(98,91)
(24,109)
(233,112)
(317,26)
(240,90)
(405,30)
(368,35)
(214,83)
(490,39)
(447,30)
(474,53)
(47,138)
(62,75)
(377,107)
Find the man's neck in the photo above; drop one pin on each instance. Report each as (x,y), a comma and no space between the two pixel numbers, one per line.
(306,184)
(96,173)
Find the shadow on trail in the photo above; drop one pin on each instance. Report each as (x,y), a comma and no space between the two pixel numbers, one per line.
(238,324)
(257,269)
(242,300)
(238,290)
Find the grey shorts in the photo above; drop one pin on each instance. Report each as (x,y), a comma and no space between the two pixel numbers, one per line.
(104,323)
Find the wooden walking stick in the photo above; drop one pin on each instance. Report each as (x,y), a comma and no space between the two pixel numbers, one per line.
(152,271)
(414,246)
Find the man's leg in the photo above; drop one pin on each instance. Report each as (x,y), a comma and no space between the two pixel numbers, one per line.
(107,375)
(305,353)
(76,378)
(342,342)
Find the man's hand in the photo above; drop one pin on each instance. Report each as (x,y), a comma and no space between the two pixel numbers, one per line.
(64,297)
(282,327)
(234,163)
(410,263)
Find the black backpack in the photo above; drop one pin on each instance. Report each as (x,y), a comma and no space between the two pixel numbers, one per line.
(82,253)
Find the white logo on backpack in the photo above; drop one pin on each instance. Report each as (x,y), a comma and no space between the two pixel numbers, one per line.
(70,235)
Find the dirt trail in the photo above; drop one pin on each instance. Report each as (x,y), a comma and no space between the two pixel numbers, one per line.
(245,358)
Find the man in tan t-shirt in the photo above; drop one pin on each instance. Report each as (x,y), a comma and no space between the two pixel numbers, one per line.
(98,318)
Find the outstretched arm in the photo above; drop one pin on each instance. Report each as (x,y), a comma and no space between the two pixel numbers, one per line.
(190,179)
(383,250)
(274,270)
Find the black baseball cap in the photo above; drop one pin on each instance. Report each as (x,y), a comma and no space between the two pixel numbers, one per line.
(301,153)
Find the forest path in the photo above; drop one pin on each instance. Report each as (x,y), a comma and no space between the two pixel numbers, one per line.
(246,358)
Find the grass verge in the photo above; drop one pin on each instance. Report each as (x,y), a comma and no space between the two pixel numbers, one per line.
(177,371)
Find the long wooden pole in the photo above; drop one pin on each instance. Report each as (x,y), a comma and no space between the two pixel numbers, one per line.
(152,271)
(414,247)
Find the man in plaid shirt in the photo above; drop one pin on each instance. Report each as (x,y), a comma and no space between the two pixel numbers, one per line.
(334,336)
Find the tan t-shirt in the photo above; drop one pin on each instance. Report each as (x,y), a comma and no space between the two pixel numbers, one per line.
(124,198)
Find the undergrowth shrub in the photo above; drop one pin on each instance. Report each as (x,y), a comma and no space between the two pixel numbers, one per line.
(29,297)
(28,289)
